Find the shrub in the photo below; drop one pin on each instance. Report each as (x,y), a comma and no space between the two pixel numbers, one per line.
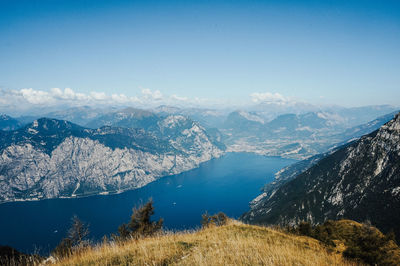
(371,246)
(305,228)
(140,224)
(363,242)
(218,219)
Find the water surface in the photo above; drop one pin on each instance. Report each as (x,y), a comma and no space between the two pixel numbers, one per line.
(226,184)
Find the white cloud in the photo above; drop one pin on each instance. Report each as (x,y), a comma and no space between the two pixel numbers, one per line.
(68,94)
(35,97)
(154,95)
(268,97)
(98,96)
(123,99)
(179,98)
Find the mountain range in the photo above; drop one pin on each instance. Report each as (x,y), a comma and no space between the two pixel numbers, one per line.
(298,136)
(359,181)
(51,158)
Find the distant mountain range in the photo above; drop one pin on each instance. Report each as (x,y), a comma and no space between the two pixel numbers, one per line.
(359,181)
(79,115)
(36,153)
(298,136)
(51,158)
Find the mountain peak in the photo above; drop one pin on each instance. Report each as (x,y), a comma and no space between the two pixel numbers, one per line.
(138,113)
(49,124)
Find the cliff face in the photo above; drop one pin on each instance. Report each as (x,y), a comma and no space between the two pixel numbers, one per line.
(360,181)
(52,158)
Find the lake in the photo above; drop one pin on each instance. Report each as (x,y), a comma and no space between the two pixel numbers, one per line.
(226,184)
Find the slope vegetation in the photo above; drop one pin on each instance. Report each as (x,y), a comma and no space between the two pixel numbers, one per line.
(232,244)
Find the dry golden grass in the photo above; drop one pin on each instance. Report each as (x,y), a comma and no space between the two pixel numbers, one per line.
(232,244)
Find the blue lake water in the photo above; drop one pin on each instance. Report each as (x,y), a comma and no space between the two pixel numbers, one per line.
(226,184)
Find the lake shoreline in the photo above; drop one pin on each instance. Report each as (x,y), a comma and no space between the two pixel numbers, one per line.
(224,184)
(110,193)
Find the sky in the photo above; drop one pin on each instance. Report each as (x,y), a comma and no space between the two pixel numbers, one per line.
(200,52)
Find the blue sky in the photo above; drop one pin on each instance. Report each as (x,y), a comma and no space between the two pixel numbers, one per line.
(328,52)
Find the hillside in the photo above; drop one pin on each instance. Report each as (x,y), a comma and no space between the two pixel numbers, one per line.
(232,244)
(360,181)
(52,158)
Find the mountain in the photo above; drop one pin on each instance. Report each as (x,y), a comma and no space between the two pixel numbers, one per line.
(209,118)
(79,115)
(297,136)
(271,110)
(163,125)
(359,115)
(9,123)
(360,181)
(241,123)
(52,158)
(364,129)
(128,117)
(285,175)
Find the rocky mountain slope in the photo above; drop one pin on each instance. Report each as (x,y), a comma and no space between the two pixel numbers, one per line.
(52,158)
(128,117)
(364,129)
(360,181)
(209,118)
(165,126)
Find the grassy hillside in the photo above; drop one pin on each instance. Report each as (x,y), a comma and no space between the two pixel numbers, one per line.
(231,244)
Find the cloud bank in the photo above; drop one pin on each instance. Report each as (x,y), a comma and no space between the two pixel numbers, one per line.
(14,100)
(24,99)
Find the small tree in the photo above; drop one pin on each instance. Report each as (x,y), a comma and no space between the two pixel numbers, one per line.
(78,232)
(141,224)
(205,219)
(76,238)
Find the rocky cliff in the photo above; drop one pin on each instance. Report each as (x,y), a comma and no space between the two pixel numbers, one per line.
(52,158)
